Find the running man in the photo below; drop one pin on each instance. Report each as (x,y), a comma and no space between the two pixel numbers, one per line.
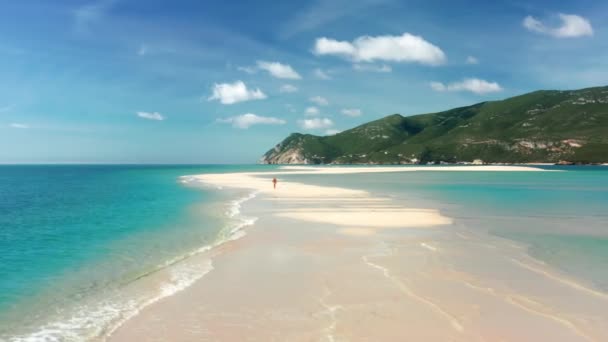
(274,183)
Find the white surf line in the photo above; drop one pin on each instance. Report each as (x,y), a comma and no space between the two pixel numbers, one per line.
(429,247)
(331,311)
(489,290)
(514,301)
(566,282)
(479,240)
(386,272)
(517,301)
(462,236)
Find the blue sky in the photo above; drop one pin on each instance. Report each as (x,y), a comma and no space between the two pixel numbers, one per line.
(155,81)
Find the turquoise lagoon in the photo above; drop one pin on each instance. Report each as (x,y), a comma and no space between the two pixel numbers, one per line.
(78,244)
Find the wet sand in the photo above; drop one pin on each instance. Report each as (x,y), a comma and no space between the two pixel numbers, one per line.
(331,264)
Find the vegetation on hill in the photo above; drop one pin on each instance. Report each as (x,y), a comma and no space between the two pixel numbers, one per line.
(543,126)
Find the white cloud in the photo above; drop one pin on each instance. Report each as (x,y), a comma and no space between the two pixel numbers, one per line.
(533,24)
(19,125)
(316,123)
(151,116)
(352,112)
(312,111)
(372,67)
(279,70)
(571,26)
(404,48)
(87,15)
(247,120)
(472,60)
(332,131)
(320,74)
(473,85)
(438,86)
(247,69)
(328,46)
(321,101)
(288,88)
(230,93)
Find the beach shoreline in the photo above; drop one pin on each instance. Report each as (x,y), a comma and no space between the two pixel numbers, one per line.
(321,259)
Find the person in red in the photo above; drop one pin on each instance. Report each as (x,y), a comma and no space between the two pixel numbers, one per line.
(274,183)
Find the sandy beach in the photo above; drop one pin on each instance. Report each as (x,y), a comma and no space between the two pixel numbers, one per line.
(334,264)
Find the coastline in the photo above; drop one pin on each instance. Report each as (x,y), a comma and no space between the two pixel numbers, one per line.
(300,273)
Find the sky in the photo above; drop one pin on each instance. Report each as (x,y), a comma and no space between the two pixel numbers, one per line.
(188,81)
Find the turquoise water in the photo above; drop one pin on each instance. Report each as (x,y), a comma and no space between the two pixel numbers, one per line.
(74,239)
(69,233)
(561,216)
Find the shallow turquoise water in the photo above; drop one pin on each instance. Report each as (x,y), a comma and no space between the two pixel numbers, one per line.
(69,232)
(561,216)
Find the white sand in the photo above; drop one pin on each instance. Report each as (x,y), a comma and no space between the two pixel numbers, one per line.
(348,277)
(343,207)
(252,180)
(375,169)
(338,206)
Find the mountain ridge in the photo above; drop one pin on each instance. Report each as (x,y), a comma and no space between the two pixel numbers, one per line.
(545,126)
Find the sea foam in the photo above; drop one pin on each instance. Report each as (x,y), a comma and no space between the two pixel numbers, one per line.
(102,318)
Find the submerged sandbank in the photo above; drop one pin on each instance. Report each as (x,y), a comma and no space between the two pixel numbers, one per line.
(338,206)
(344,207)
(330,264)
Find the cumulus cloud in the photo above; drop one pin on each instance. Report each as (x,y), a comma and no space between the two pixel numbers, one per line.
(472,60)
(320,74)
(332,131)
(19,125)
(151,116)
(316,123)
(571,26)
(406,48)
(372,67)
(279,70)
(473,85)
(352,112)
(319,100)
(328,46)
(288,88)
(247,120)
(312,111)
(230,93)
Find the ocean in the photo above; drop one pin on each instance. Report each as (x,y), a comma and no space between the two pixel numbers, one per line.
(76,242)
(82,248)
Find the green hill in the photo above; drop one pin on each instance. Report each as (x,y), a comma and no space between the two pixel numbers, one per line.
(543,126)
